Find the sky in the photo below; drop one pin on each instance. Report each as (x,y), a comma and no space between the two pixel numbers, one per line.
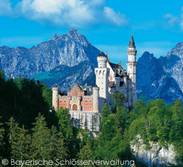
(157,25)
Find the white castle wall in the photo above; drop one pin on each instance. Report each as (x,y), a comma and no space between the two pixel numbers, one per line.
(102,75)
(55,98)
(95,99)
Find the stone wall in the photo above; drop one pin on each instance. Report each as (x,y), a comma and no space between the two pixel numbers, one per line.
(86,120)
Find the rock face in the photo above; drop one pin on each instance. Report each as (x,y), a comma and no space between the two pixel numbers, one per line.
(66,77)
(176,64)
(69,49)
(161,77)
(154,154)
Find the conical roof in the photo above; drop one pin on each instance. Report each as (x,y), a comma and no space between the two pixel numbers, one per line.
(132,42)
(102,54)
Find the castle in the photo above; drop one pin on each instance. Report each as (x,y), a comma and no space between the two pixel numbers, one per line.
(85,105)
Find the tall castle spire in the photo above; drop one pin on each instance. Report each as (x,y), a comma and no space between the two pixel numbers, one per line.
(132,52)
(132,42)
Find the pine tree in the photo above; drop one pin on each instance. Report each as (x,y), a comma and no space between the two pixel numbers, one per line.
(19,141)
(121,118)
(2,144)
(105,111)
(58,150)
(41,146)
(117,100)
(86,153)
(69,132)
(65,123)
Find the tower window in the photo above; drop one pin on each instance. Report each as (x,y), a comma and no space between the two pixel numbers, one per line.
(121,83)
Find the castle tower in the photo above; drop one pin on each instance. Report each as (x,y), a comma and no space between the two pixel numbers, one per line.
(102,75)
(55,98)
(131,69)
(95,99)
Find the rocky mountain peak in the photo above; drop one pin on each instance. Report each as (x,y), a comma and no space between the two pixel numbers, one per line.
(73,34)
(68,49)
(161,77)
(57,36)
(147,57)
(177,50)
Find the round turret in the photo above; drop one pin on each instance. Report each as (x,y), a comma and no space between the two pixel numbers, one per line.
(55,97)
(95,99)
(102,60)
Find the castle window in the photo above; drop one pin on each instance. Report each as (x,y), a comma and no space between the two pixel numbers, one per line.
(74,107)
(121,83)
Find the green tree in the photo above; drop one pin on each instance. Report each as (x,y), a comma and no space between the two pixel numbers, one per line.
(118,100)
(108,128)
(65,123)
(19,140)
(41,146)
(121,118)
(57,145)
(2,75)
(86,152)
(47,95)
(176,132)
(69,132)
(106,111)
(2,142)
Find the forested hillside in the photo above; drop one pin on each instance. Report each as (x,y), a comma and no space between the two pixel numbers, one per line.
(30,130)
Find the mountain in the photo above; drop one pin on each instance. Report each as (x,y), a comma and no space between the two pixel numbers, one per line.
(66,77)
(70,58)
(68,49)
(161,77)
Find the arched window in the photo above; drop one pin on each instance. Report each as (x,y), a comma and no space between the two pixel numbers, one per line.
(74,107)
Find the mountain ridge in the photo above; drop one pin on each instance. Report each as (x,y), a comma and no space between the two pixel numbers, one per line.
(67,49)
(70,58)
(161,77)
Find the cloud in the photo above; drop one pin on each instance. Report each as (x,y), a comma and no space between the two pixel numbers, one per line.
(74,13)
(181,19)
(171,19)
(114,17)
(71,12)
(5,7)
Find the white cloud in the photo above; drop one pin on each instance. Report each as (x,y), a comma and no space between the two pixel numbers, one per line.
(171,19)
(114,17)
(175,20)
(5,7)
(181,19)
(71,12)
(64,12)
